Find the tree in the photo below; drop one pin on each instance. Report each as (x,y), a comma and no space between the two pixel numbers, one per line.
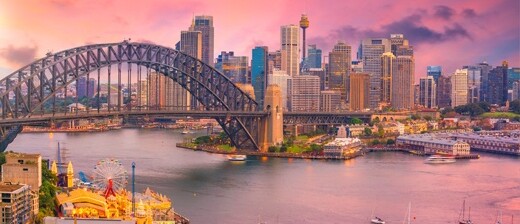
(515,106)
(375,142)
(272,149)
(283,148)
(415,117)
(428,118)
(202,139)
(368,131)
(315,147)
(356,121)
(390,142)
(380,131)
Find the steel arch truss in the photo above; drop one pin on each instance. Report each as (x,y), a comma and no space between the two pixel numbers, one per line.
(23,92)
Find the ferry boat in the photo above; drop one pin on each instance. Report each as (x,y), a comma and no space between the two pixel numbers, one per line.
(436,159)
(377,220)
(237,157)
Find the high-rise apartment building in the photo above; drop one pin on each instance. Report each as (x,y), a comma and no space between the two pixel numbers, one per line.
(403,80)
(497,85)
(234,67)
(281,79)
(459,87)
(339,68)
(314,58)
(444,92)
(204,24)
(370,52)
(17,203)
(289,39)
(386,77)
(259,71)
(304,93)
(359,91)
(427,92)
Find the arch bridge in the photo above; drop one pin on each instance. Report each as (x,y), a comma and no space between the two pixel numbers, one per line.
(43,90)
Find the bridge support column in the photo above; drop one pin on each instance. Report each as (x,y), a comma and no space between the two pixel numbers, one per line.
(271,127)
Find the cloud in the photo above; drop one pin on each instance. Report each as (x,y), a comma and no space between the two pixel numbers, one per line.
(470,13)
(444,12)
(19,55)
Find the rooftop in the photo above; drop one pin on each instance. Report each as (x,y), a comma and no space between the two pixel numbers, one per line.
(504,139)
(8,187)
(22,155)
(429,138)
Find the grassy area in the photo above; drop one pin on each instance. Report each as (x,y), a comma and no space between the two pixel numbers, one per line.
(509,115)
(226,148)
(297,149)
(302,137)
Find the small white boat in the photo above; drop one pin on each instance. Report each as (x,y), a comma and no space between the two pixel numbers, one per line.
(237,157)
(185,131)
(436,159)
(377,220)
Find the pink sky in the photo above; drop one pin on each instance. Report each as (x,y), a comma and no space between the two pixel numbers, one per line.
(447,33)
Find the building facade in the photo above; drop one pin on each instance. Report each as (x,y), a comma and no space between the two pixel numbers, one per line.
(370,54)
(474,83)
(427,92)
(359,91)
(330,101)
(23,168)
(432,145)
(304,93)
(459,88)
(17,204)
(386,75)
(314,58)
(259,71)
(434,71)
(444,92)
(281,79)
(339,68)
(403,80)
(234,67)
(290,39)
(497,85)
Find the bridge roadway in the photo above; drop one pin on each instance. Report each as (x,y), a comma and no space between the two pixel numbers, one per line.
(290,118)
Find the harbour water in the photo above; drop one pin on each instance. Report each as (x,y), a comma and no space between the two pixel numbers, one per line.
(207,188)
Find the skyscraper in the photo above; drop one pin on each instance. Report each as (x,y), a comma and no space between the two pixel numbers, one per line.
(434,71)
(339,68)
(281,78)
(444,92)
(396,41)
(515,90)
(191,43)
(204,24)
(274,61)
(484,78)
(234,67)
(427,92)
(459,87)
(259,70)
(370,53)
(330,101)
(474,78)
(386,75)
(403,70)
(513,75)
(497,85)
(314,57)
(289,39)
(81,87)
(359,91)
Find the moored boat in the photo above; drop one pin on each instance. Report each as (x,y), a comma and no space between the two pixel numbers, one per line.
(377,220)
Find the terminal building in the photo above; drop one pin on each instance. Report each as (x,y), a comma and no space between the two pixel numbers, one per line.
(342,145)
(430,144)
(490,143)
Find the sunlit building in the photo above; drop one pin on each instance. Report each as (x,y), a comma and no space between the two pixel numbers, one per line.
(427,92)
(459,87)
(403,76)
(304,93)
(290,41)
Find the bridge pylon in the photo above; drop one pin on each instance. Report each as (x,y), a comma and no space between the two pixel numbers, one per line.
(271,127)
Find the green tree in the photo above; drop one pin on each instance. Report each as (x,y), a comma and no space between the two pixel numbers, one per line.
(356,121)
(368,131)
(283,148)
(203,139)
(315,147)
(272,149)
(390,142)
(415,117)
(380,131)
(375,142)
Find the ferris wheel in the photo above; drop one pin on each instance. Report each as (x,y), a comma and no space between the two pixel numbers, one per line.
(110,175)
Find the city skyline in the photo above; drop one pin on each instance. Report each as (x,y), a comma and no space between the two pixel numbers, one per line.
(469,34)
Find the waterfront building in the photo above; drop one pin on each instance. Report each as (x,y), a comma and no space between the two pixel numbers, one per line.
(204,24)
(290,41)
(314,58)
(459,88)
(430,144)
(444,92)
(403,76)
(386,75)
(497,85)
(342,145)
(359,91)
(427,92)
(259,69)
(370,52)
(434,71)
(304,93)
(339,68)
(490,143)
(234,67)
(330,101)
(281,79)
(17,203)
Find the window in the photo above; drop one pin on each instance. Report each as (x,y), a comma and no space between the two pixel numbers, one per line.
(25,169)
(20,161)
